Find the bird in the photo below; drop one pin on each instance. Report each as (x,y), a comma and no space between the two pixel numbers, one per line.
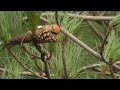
(43,34)
(46,33)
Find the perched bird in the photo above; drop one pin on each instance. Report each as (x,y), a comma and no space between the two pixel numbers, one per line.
(44,34)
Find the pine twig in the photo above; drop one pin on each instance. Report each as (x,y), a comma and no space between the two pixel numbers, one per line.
(45,20)
(96,18)
(89,67)
(64,42)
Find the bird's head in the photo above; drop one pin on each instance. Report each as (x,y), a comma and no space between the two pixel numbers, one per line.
(55,29)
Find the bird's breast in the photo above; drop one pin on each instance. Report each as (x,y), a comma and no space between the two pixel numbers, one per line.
(43,36)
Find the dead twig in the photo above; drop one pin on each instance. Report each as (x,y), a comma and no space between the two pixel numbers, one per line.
(44,19)
(89,67)
(80,43)
(96,18)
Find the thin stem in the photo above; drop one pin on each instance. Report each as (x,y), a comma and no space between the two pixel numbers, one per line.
(103,45)
(51,52)
(64,42)
(45,20)
(46,69)
(88,67)
(36,64)
(96,18)
(111,69)
(56,18)
(80,43)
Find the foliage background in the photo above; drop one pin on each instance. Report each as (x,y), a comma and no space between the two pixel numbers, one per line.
(12,24)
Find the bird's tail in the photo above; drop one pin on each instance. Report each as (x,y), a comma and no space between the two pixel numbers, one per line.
(22,38)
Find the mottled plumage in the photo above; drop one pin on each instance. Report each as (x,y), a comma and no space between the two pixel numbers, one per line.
(45,34)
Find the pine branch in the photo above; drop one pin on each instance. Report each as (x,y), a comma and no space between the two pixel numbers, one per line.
(96,18)
(80,43)
(89,67)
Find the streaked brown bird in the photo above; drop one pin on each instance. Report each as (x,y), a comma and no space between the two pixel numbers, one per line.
(44,34)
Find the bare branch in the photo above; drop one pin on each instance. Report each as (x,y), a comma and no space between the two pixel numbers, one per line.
(89,67)
(98,18)
(44,19)
(80,43)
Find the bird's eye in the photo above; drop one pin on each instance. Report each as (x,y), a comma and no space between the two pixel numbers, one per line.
(52,31)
